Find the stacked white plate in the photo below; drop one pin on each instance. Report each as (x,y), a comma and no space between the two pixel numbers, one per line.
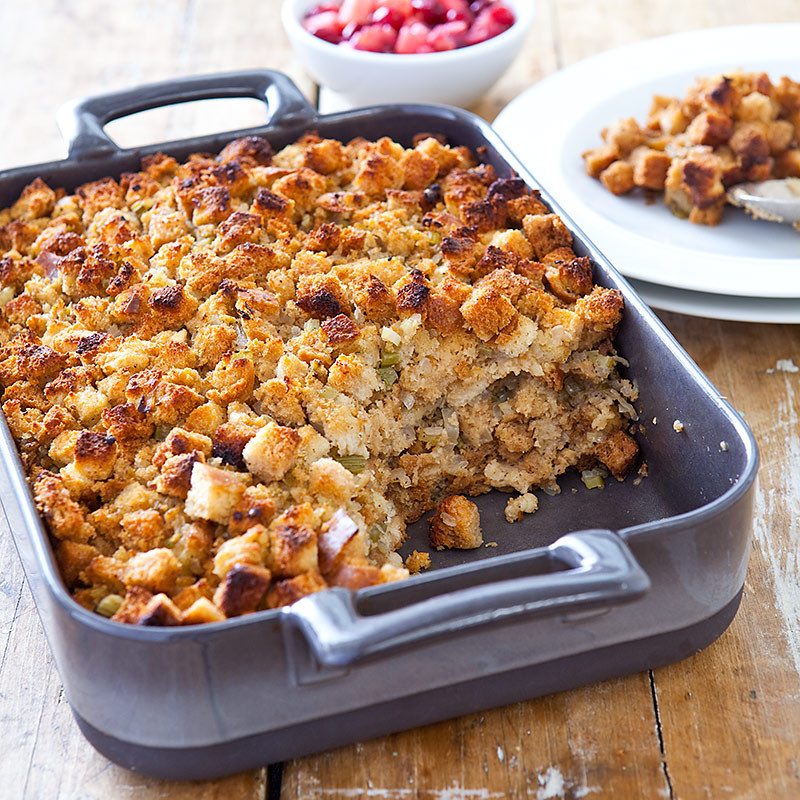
(741,269)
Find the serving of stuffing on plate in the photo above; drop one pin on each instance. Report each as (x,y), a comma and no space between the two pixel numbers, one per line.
(728,129)
(233,381)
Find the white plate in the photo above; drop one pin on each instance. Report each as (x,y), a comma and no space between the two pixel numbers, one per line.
(552,123)
(784,310)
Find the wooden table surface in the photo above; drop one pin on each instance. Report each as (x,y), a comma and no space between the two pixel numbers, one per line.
(724,723)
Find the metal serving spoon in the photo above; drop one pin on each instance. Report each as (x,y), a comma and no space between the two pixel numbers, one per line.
(776,200)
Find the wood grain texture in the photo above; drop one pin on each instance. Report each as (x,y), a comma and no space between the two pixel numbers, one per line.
(725,723)
(553,746)
(731,715)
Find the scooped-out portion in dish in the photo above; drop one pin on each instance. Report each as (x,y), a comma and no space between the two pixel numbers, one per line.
(233,381)
(728,129)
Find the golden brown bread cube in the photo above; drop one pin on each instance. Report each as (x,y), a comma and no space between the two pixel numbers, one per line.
(618,178)
(456,524)
(202,611)
(271,453)
(242,589)
(213,493)
(618,452)
(293,544)
(286,592)
(710,128)
(155,570)
(546,232)
(624,134)
(488,311)
(649,168)
(600,159)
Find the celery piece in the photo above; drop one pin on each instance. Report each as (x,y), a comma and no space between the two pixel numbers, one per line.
(388,376)
(592,481)
(389,358)
(109,605)
(355,464)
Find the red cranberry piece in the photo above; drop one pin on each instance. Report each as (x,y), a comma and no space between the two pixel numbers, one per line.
(356,11)
(388,16)
(375,38)
(489,23)
(431,12)
(502,15)
(413,38)
(350,30)
(458,11)
(325,25)
(448,36)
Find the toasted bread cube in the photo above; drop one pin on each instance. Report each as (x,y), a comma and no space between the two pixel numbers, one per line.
(65,518)
(322,296)
(618,178)
(286,592)
(73,558)
(201,611)
(62,448)
(156,570)
(245,549)
(710,128)
(133,605)
(599,159)
(419,170)
(546,232)
(293,544)
(143,529)
(213,493)
(702,177)
(95,455)
(179,442)
(780,135)
(242,590)
(624,134)
(232,379)
(650,167)
(618,452)
(354,575)
(487,311)
(757,107)
(176,474)
(456,524)
(141,607)
(272,452)
(711,215)
(749,141)
(331,480)
(160,612)
(350,375)
(333,539)
(672,119)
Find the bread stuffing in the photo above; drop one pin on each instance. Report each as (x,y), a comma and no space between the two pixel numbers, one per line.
(728,129)
(233,381)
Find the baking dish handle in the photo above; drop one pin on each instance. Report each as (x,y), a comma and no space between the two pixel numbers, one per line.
(587,568)
(82,122)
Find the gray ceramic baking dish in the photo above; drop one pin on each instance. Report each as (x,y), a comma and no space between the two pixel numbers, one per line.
(595,584)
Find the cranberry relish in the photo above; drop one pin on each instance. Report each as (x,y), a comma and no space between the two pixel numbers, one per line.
(408,26)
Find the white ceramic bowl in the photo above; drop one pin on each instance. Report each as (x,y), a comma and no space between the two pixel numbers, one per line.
(456,77)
